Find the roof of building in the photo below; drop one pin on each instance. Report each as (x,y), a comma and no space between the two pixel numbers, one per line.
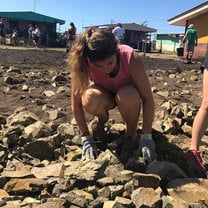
(31,16)
(129,26)
(180,20)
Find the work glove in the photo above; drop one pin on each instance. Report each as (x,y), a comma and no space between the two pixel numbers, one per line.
(147,148)
(89,150)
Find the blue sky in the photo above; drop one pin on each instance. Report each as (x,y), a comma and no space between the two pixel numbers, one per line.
(154,13)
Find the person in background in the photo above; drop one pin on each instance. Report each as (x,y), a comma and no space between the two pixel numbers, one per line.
(2,31)
(105,74)
(70,36)
(30,31)
(200,126)
(119,32)
(180,49)
(36,36)
(192,41)
(14,37)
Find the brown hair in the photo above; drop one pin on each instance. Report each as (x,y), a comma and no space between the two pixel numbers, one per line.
(95,45)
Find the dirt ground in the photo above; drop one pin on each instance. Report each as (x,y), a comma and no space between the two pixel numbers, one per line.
(26,74)
(39,66)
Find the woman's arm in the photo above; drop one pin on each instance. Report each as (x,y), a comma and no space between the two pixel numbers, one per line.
(79,115)
(89,150)
(142,84)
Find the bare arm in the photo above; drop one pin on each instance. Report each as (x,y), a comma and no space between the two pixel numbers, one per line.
(142,84)
(78,112)
(196,41)
(185,37)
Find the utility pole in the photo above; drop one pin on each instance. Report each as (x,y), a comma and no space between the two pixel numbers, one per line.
(82,22)
(34,5)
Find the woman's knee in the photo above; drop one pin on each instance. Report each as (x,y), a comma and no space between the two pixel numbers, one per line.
(94,99)
(128,95)
(90,98)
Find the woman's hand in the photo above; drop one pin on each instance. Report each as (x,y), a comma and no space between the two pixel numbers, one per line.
(89,149)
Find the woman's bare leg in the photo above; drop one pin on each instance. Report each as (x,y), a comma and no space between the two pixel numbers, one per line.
(98,102)
(201,120)
(128,102)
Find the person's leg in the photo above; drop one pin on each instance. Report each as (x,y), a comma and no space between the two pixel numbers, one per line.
(98,102)
(200,125)
(188,54)
(4,39)
(191,53)
(70,44)
(34,42)
(1,37)
(201,120)
(30,42)
(39,41)
(128,102)
(67,46)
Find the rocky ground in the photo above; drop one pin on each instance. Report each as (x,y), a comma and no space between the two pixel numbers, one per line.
(37,137)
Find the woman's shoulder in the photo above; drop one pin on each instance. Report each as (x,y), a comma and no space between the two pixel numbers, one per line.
(126,54)
(125,48)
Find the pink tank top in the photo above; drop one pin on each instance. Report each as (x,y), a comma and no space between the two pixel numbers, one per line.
(112,84)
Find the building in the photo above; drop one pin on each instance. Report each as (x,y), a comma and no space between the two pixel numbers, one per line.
(199,17)
(135,34)
(167,42)
(20,21)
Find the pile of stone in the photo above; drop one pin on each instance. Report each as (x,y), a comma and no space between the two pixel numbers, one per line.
(41,166)
(40,159)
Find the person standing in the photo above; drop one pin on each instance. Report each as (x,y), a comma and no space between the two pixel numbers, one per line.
(70,36)
(14,37)
(200,126)
(180,49)
(105,74)
(192,41)
(119,32)
(30,31)
(36,36)
(2,31)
